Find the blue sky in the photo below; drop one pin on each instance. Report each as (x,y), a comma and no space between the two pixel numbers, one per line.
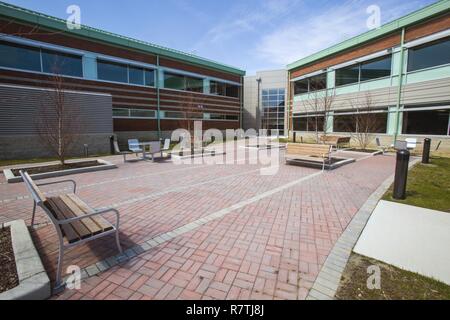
(249,34)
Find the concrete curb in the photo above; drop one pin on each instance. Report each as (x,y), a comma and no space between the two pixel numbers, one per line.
(34,283)
(11,178)
(329,278)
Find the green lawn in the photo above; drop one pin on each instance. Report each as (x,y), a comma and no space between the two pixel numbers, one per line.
(396,284)
(428,186)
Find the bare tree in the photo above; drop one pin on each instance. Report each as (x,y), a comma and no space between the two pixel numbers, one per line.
(6,27)
(319,105)
(365,121)
(57,123)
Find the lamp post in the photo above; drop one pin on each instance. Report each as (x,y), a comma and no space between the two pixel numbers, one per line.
(258,108)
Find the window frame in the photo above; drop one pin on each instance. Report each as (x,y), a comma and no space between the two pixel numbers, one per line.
(422,46)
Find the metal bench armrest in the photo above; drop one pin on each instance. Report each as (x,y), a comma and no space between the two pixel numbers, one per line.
(96,213)
(60,182)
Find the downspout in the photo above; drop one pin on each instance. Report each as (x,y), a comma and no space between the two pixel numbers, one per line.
(288,104)
(241,123)
(158,100)
(400,84)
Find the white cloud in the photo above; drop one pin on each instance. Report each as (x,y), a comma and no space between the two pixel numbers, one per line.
(297,39)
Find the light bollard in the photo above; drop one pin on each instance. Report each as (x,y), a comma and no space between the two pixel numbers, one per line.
(401,174)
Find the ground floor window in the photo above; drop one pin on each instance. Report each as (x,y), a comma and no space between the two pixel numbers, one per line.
(309,123)
(374,122)
(432,122)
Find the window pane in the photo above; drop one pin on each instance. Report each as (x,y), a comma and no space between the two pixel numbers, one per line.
(344,123)
(347,75)
(173,114)
(173,81)
(300,124)
(232,91)
(19,57)
(318,82)
(149,78)
(136,75)
(430,55)
(231,117)
(301,86)
(217,88)
(112,71)
(314,122)
(194,84)
(376,69)
(137,113)
(62,64)
(433,122)
(120,112)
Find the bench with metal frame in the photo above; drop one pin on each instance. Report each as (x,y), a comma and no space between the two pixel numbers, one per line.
(73,219)
(320,153)
(335,141)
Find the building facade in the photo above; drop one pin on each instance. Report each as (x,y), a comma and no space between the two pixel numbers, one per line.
(265,101)
(400,72)
(123,86)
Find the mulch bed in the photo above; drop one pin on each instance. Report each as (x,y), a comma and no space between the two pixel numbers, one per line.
(58,167)
(8,272)
(362,150)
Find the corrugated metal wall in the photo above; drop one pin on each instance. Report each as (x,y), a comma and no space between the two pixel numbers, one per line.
(21,108)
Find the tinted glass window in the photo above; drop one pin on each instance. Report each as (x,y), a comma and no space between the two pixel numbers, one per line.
(301,86)
(136,75)
(19,57)
(112,71)
(300,124)
(138,113)
(61,63)
(376,69)
(232,91)
(347,75)
(430,55)
(217,88)
(150,78)
(194,84)
(318,82)
(173,81)
(316,123)
(435,122)
(344,123)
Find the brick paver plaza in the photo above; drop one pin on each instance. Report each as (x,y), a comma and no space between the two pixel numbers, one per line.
(208,231)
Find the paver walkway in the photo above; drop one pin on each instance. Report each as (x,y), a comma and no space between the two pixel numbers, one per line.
(258,237)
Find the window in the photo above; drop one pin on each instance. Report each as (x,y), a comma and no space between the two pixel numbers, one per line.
(300,124)
(174,114)
(373,122)
(181,82)
(149,78)
(375,69)
(111,71)
(429,55)
(311,84)
(347,75)
(433,122)
(62,63)
(369,70)
(303,122)
(19,57)
(344,123)
(133,113)
(136,75)
(224,89)
(273,101)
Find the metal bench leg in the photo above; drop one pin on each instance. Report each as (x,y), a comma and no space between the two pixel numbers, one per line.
(59,284)
(118,242)
(34,213)
(124,158)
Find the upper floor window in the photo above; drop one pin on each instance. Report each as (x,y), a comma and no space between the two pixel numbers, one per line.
(224,89)
(273,98)
(429,55)
(62,63)
(182,82)
(369,70)
(22,57)
(311,84)
(117,72)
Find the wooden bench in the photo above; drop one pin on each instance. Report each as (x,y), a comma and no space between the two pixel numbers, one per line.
(311,152)
(335,141)
(75,222)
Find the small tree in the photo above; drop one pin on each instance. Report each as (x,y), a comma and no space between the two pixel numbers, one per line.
(320,106)
(57,122)
(366,122)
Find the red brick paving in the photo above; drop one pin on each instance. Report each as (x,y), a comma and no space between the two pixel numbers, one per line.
(270,249)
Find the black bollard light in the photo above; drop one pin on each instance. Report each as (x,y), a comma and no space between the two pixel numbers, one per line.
(401,174)
(426,151)
(295,137)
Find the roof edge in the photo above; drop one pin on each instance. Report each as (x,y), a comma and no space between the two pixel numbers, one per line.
(30,16)
(411,18)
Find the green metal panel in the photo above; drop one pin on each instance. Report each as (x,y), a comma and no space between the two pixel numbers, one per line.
(392,120)
(330,122)
(375,84)
(412,18)
(14,12)
(160,78)
(206,87)
(427,75)
(331,76)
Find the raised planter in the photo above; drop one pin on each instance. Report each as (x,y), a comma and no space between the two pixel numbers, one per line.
(333,164)
(34,283)
(102,165)
(374,153)
(198,153)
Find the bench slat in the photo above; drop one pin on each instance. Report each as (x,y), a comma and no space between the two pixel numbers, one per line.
(102,223)
(87,222)
(67,229)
